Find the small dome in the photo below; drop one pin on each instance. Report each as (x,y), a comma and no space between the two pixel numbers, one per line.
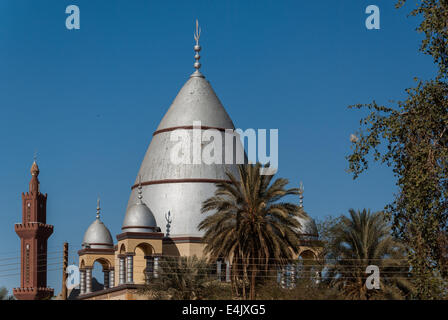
(138,216)
(139,219)
(309,227)
(97,236)
(34,169)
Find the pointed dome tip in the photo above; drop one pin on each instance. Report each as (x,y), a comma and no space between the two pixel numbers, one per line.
(34,169)
(197,74)
(197,49)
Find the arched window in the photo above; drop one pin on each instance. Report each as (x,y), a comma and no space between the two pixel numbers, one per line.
(27,263)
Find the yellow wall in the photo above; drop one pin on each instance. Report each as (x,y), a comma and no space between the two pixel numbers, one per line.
(141,248)
(147,247)
(186,249)
(124,294)
(139,266)
(88,259)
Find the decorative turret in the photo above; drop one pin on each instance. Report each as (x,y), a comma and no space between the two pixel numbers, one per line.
(308,225)
(97,235)
(33,233)
(34,183)
(34,169)
(97,242)
(138,217)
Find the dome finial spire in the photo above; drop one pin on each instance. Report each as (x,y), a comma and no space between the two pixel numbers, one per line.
(301,190)
(140,196)
(34,167)
(197,48)
(98,209)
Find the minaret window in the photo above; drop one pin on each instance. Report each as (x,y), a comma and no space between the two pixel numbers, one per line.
(28,212)
(27,263)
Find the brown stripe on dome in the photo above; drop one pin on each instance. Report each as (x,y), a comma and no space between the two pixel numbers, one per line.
(182,239)
(142,227)
(190,128)
(194,180)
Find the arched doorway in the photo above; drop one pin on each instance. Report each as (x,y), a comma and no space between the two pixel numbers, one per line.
(308,268)
(101,274)
(143,263)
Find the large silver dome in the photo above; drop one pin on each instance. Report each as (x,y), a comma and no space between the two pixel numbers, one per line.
(97,236)
(181,188)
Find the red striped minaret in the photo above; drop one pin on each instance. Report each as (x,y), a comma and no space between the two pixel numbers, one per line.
(33,233)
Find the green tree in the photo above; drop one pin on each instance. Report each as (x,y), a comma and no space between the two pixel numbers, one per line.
(183,278)
(435,28)
(359,241)
(250,227)
(412,138)
(4,294)
(326,230)
(322,291)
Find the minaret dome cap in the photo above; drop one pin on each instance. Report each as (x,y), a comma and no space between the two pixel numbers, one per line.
(34,169)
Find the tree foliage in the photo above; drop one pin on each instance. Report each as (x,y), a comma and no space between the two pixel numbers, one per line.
(412,138)
(4,294)
(361,240)
(185,278)
(250,226)
(272,291)
(435,28)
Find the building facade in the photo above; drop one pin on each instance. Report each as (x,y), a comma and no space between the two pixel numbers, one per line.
(164,207)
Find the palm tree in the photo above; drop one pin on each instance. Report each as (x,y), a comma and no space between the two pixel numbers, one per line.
(249,226)
(4,294)
(359,241)
(180,278)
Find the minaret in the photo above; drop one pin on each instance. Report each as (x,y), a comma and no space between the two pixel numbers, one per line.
(33,233)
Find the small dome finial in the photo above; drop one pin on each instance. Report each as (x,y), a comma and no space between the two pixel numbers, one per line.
(140,196)
(35,168)
(98,209)
(197,49)
(169,220)
(301,190)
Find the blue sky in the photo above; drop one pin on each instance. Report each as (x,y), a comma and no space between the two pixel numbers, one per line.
(89,100)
